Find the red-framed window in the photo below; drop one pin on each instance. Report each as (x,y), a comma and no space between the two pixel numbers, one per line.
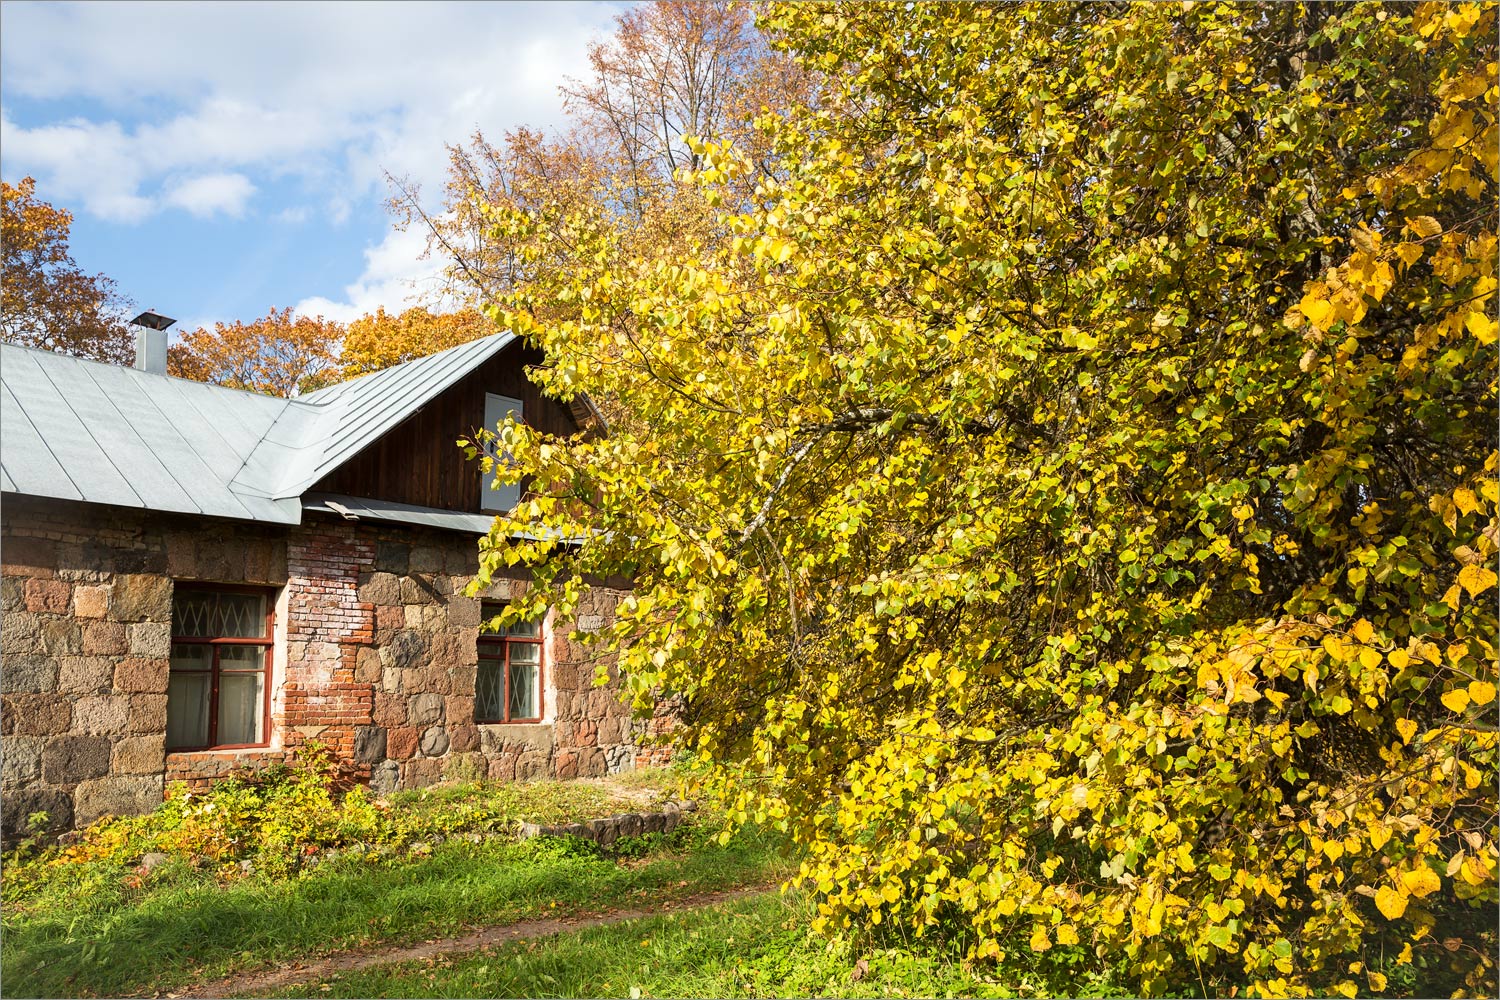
(508,687)
(219,691)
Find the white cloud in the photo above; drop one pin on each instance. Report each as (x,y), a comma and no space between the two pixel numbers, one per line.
(211,194)
(201,106)
(337,92)
(395,276)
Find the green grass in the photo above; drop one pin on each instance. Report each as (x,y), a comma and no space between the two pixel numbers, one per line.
(752,947)
(328,872)
(188,927)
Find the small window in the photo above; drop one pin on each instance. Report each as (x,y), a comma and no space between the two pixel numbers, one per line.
(492,495)
(219,686)
(508,687)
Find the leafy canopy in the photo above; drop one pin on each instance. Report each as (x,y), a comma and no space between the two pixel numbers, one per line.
(1064,485)
(48,301)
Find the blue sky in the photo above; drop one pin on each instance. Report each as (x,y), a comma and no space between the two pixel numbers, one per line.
(223,159)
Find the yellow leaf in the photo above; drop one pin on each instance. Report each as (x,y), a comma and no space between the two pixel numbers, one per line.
(1456,700)
(1363,630)
(1484,329)
(1334,849)
(1421,881)
(1481,692)
(1317,311)
(1379,835)
(1377,981)
(1390,902)
(1425,226)
(1407,729)
(1409,253)
(1399,658)
(1039,939)
(1067,934)
(1465,501)
(1476,579)
(1369,658)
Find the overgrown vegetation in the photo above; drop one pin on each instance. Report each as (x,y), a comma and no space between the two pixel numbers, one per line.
(1064,464)
(286,865)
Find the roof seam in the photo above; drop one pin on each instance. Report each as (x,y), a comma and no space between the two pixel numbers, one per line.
(85,428)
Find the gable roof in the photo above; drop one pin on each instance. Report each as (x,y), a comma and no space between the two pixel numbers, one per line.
(84,430)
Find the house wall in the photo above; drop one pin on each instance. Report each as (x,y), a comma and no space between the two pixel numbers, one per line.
(375,658)
(405,466)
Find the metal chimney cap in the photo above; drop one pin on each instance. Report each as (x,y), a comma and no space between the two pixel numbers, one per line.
(153,321)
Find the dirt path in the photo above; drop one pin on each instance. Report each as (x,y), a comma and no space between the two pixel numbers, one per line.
(349,961)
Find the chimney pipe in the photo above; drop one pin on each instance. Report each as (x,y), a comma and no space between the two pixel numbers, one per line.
(151,342)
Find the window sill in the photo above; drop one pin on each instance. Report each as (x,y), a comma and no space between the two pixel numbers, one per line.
(536,735)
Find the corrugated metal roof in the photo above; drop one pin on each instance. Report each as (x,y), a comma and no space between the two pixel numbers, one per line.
(82,430)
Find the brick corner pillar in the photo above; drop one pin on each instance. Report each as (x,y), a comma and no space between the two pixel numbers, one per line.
(327,627)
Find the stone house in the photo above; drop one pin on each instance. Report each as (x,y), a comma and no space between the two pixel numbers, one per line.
(197,579)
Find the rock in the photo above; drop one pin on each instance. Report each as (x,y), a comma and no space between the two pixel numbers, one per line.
(425,709)
(86,675)
(152,860)
(141,597)
(528,830)
(152,639)
(381,588)
(101,714)
(139,755)
(385,777)
(406,649)
(369,744)
(435,742)
(71,759)
(116,796)
(247,866)
(393,557)
(20,760)
(28,673)
(20,805)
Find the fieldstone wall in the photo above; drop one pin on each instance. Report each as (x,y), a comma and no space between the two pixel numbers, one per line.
(375,658)
(87,599)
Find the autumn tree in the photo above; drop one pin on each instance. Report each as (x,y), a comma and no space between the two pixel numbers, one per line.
(1065,499)
(48,301)
(381,339)
(671,69)
(279,354)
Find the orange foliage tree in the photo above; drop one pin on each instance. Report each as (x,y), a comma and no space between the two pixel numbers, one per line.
(279,354)
(49,302)
(380,339)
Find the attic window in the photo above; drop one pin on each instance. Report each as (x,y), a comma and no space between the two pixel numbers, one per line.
(495,496)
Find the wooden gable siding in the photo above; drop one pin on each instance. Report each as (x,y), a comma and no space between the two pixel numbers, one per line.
(418,463)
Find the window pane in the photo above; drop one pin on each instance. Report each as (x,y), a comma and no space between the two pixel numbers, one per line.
(242,658)
(214,614)
(489,691)
(241,616)
(192,613)
(523,689)
(193,656)
(525,652)
(187,710)
(240,702)
(524,629)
